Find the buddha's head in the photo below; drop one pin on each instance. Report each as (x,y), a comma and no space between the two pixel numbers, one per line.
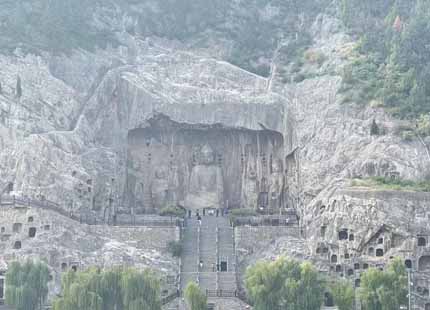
(277,166)
(207,156)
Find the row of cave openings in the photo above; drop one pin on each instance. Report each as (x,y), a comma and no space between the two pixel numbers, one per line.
(17,228)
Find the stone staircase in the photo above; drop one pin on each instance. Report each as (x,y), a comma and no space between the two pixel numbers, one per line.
(190,253)
(207,249)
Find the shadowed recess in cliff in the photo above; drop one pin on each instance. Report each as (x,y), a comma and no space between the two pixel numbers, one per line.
(204,166)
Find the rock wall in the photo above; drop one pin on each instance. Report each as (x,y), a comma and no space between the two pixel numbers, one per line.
(31,233)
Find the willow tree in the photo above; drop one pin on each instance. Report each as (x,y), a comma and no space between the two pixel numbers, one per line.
(27,285)
(384,290)
(195,298)
(343,294)
(284,284)
(116,289)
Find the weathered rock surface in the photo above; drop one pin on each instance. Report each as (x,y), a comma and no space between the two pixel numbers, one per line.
(67,138)
(32,233)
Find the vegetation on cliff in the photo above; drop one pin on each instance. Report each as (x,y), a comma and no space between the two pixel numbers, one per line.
(392,184)
(391,66)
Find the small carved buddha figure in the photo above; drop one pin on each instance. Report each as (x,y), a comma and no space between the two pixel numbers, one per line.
(206,186)
(250,188)
(160,186)
(276,185)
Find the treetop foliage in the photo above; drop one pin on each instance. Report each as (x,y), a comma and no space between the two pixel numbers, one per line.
(116,289)
(27,285)
(392,63)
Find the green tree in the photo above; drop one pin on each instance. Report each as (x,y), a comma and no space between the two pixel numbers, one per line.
(343,294)
(116,289)
(284,284)
(195,297)
(424,125)
(27,285)
(384,290)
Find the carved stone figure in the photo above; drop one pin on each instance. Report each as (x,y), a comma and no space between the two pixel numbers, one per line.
(250,188)
(206,182)
(276,185)
(160,186)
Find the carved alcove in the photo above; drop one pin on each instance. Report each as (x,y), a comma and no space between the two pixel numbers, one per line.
(203,166)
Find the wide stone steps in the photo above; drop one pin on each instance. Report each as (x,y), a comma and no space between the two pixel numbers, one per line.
(208,281)
(227,281)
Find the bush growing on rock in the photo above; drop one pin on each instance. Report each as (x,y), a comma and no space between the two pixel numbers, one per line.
(175,248)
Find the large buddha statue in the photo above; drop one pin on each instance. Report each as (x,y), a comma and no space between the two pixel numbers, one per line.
(206,182)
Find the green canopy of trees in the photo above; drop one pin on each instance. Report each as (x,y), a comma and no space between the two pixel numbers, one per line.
(196,299)
(284,284)
(116,289)
(392,64)
(384,290)
(27,285)
(343,295)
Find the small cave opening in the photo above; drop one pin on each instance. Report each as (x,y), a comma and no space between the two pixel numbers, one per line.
(323,231)
(379,252)
(346,255)
(63,266)
(424,263)
(343,234)
(381,241)
(422,241)
(357,282)
(3,229)
(371,251)
(32,232)
(365,266)
(351,237)
(408,263)
(333,258)
(357,266)
(350,272)
(328,300)
(17,245)
(47,227)
(213,166)
(30,219)
(338,268)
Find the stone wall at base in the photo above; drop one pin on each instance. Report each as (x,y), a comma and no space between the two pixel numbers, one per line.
(64,244)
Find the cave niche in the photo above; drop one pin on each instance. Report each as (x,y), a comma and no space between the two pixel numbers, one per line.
(204,166)
(424,263)
(422,241)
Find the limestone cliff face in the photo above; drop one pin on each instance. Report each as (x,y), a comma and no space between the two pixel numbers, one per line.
(66,137)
